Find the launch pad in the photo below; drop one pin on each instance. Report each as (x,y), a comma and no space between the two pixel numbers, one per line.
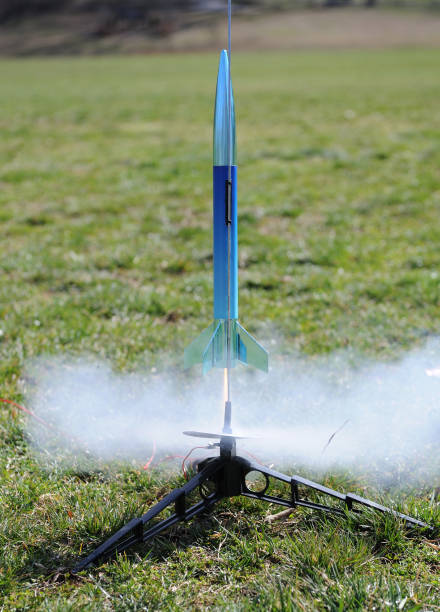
(224,476)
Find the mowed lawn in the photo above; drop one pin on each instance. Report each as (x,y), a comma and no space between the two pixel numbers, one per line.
(105,235)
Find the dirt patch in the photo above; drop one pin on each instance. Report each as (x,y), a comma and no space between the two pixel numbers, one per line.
(346,28)
(320,29)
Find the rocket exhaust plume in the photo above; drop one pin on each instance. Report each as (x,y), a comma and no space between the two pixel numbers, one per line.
(393,412)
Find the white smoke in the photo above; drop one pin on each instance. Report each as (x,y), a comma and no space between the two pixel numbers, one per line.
(386,415)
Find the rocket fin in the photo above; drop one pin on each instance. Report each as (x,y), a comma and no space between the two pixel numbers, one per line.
(210,348)
(199,349)
(250,351)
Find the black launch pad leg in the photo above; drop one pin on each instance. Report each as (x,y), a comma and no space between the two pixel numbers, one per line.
(137,530)
(227,476)
(348,501)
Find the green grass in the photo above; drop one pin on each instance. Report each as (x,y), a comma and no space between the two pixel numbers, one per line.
(105,225)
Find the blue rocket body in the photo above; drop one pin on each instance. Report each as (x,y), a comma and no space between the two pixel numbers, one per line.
(220,196)
(211,348)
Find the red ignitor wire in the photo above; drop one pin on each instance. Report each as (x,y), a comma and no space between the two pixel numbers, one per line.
(151,459)
(153,454)
(185,473)
(27,411)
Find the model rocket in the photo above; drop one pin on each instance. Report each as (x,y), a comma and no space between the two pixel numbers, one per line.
(225,342)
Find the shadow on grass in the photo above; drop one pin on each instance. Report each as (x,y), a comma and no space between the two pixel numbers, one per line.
(48,565)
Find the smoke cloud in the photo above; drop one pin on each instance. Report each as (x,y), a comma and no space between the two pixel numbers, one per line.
(385,416)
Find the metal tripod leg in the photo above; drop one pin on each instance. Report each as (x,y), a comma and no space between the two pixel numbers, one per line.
(348,499)
(134,532)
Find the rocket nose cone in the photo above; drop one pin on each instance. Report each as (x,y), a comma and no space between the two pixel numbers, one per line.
(223,66)
(224,116)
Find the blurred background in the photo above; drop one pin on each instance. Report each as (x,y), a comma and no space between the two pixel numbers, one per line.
(137,26)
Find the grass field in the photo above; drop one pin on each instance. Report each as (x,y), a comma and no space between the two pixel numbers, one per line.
(105,225)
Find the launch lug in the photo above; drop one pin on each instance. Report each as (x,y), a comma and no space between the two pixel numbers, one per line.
(228,200)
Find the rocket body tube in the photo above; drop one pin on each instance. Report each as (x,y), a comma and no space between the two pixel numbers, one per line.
(221,216)
(211,347)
